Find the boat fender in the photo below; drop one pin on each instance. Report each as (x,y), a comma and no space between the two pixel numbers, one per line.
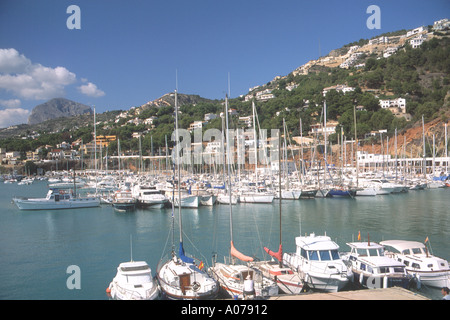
(307,278)
(385,282)
(417,281)
(361,278)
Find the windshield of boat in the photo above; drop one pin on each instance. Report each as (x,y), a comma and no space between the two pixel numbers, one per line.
(322,255)
(369,252)
(139,278)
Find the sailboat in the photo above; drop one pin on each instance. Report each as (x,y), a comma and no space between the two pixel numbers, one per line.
(180,277)
(240,280)
(288,281)
(255,196)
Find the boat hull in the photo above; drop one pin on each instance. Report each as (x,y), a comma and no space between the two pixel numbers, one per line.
(29,204)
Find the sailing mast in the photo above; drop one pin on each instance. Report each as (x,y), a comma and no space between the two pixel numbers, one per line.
(233,251)
(278,255)
(177,140)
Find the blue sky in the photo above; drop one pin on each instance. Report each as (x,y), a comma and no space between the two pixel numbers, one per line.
(129,52)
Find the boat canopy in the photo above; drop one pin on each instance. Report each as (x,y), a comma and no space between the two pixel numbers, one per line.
(235,253)
(277,255)
(183,256)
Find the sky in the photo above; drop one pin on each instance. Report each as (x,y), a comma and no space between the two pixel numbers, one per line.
(116,54)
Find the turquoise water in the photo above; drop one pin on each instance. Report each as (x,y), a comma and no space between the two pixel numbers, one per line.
(37,247)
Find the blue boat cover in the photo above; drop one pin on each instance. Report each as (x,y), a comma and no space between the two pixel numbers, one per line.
(182,255)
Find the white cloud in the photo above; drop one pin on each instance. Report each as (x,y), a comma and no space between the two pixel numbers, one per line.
(11,103)
(13,62)
(91,90)
(14,116)
(33,81)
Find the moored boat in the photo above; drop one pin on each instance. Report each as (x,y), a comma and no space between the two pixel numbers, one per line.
(318,262)
(134,281)
(426,268)
(372,269)
(56,199)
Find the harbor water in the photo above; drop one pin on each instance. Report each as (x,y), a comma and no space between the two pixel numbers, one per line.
(40,249)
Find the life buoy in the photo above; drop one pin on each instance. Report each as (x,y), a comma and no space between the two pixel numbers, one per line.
(196,286)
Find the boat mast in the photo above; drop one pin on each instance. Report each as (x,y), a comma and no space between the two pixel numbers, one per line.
(228,166)
(178,166)
(255,144)
(279,186)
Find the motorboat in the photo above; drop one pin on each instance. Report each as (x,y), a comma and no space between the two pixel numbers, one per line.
(123,200)
(382,186)
(242,281)
(149,197)
(56,199)
(426,268)
(256,197)
(372,269)
(318,262)
(134,281)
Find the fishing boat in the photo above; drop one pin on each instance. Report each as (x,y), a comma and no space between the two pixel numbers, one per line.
(426,268)
(134,281)
(318,262)
(56,199)
(372,269)
(182,277)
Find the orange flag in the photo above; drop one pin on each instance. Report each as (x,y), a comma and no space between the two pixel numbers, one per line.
(426,240)
(201,265)
(359,235)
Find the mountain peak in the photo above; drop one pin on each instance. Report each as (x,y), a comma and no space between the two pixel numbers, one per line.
(57,108)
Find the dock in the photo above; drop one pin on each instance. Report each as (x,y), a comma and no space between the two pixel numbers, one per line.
(395,293)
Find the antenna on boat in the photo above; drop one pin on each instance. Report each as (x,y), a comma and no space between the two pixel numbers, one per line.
(131,248)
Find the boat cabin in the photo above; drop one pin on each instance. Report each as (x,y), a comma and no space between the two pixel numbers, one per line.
(414,255)
(369,257)
(134,273)
(57,195)
(317,248)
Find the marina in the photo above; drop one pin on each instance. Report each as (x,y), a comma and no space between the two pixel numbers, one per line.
(42,244)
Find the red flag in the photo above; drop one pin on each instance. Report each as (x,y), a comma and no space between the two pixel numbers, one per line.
(201,265)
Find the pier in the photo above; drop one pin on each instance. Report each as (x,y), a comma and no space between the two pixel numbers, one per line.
(394,293)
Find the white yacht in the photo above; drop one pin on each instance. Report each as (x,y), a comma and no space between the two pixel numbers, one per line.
(56,199)
(123,200)
(149,197)
(318,262)
(134,281)
(426,268)
(372,269)
(256,197)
